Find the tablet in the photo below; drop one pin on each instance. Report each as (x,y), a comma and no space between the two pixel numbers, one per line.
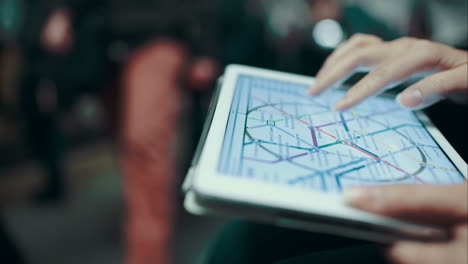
(271,152)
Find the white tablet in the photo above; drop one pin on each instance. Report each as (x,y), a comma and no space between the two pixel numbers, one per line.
(273,153)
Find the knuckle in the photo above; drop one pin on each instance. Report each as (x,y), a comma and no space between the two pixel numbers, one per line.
(373,82)
(423,49)
(404,44)
(357,58)
(361,39)
(405,40)
(353,60)
(359,36)
(425,45)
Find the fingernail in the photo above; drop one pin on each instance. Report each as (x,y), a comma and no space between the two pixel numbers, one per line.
(319,74)
(312,90)
(341,104)
(355,195)
(361,197)
(410,99)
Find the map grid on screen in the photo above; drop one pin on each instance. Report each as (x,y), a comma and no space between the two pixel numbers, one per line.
(276,134)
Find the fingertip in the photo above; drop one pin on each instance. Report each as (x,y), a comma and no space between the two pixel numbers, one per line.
(410,99)
(404,252)
(398,100)
(337,107)
(413,99)
(357,196)
(314,89)
(309,91)
(341,105)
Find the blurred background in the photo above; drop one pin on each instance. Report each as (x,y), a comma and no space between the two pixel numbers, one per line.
(102,103)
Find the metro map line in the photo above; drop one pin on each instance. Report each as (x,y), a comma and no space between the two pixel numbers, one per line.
(274,130)
(339,141)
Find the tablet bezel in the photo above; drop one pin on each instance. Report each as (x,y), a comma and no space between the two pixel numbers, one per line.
(209,183)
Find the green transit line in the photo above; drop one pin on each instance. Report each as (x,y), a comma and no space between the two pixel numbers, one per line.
(277,144)
(279,120)
(330,144)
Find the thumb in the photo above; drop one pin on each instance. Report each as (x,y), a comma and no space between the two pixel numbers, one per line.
(434,88)
(442,204)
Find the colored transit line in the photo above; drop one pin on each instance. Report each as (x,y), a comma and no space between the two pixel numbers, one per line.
(314,137)
(344,142)
(280,120)
(343,121)
(364,133)
(351,119)
(333,143)
(372,155)
(413,158)
(282,111)
(293,181)
(278,160)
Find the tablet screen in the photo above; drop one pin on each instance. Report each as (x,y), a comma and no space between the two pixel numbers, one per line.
(276,134)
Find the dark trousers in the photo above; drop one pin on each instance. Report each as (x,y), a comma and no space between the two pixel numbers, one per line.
(247,242)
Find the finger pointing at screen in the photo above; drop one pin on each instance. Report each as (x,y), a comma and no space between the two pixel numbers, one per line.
(393,61)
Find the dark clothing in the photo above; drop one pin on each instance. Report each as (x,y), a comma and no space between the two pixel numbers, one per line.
(252,243)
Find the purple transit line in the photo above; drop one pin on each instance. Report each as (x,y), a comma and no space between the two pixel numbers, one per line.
(347,120)
(276,161)
(297,156)
(314,137)
(263,161)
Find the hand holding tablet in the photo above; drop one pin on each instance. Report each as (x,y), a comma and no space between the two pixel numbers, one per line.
(442,205)
(273,154)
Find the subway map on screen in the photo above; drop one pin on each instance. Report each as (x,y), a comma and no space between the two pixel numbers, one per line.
(276,134)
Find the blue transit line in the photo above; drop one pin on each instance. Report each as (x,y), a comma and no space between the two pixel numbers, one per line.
(303,141)
(345,165)
(282,130)
(338,182)
(350,170)
(307,177)
(337,176)
(322,181)
(365,150)
(343,121)
(259,126)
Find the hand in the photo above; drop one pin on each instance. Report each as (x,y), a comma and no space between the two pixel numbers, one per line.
(393,61)
(444,205)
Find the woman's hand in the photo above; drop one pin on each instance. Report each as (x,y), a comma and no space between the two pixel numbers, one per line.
(393,61)
(444,205)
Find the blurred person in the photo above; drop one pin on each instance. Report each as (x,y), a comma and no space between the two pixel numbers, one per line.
(173,53)
(63,51)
